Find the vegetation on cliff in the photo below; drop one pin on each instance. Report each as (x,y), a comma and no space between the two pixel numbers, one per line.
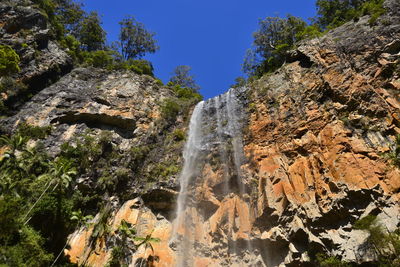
(276,36)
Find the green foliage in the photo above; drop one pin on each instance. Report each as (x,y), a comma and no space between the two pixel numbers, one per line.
(365,223)
(84,39)
(394,155)
(138,154)
(70,15)
(90,33)
(333,13)
(184,79)
(99,59)
(101,227)
(117,257)
(139,66)
(84,151)
(48,6)
(324,260)
(33,132)
(239,82)
(126,229)
(28,252)
(185,93)
(9,61)
(373,8)
(73,47)
(162,171)
(134,40)
(385,245)
(81,219)
(12,88)
(309,32)
(271,42)
(9,224)
(278,35)
(159,82)
(179,135)
(170,109)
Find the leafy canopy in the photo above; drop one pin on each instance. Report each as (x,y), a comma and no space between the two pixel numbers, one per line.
(134,40)
(183,78)
(90,33)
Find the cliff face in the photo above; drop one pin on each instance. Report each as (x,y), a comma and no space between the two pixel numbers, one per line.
(27,30)
(280,170)
(318,132)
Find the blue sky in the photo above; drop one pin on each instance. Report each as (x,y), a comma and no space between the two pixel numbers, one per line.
(211,36)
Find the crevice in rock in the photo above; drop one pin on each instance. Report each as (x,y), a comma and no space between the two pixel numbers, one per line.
(101,101)
(122,126)
(161,201)
(303,59)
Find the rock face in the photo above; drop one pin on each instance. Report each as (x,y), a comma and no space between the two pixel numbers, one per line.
(26,29)
(279,176)
(316,139)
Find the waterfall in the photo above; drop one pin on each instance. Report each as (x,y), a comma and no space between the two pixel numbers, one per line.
(190,170)
(213,204)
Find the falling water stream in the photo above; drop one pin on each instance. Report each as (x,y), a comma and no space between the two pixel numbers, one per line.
(214,142)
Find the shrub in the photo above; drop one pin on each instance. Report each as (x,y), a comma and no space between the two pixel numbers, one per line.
(385,245)
(373,8)
(170,109)
(330,261)
(333,13)
(117,256)
(185,92)
(138,154)
(162,171)
(239,82)
(28,252)
(9,61)
(99,59)
(139,66)
(73,45)
(34,132)
(159,82)
(179,135)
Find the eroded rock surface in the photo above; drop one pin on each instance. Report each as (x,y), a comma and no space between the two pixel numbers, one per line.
(27,30)
(317,138)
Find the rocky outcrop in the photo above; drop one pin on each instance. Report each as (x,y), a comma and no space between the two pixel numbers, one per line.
(317,138)
(27,30)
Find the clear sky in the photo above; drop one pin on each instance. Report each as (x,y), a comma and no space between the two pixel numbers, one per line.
(211,36)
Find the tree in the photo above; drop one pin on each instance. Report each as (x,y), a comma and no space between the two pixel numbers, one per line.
(275,33)
(183,78)
(90,33)
(70,14)
(134,40)
(60,176)
(271,42)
